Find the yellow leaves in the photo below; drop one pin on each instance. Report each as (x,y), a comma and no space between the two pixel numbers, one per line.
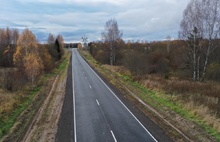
(26,57)
(27,41)
(33,66)
(17,57)
(27,44)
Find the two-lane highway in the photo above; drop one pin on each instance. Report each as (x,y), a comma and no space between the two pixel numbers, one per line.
(99,115)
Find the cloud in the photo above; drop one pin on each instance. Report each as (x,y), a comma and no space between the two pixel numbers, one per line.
(152,20)
(6,23)
(141,19)
(88,2)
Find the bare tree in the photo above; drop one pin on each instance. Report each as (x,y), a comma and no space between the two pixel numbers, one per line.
(111,35)
(201,21)
(211,32)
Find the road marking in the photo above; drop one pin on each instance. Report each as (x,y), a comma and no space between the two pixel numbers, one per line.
(97,102)
(121,102)
(113,136)
(74,104)
(90,86)
(85,77)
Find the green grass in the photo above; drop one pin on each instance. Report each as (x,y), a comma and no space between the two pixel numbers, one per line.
(9,120)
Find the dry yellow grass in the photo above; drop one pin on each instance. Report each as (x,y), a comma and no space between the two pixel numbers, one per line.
(8,101)
(117,69)
(200,99)
(204,113)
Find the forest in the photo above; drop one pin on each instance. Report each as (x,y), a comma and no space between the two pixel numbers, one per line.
(169,58)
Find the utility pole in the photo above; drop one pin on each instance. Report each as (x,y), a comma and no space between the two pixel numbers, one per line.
(84,41)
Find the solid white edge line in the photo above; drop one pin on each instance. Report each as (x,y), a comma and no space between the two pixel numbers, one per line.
(74,102)
(120,101)
(97,102)
(113,136)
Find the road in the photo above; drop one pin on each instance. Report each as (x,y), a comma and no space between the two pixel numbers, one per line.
(100,116)
(92,112)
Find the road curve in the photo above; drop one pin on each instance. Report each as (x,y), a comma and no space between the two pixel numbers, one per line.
(99,115)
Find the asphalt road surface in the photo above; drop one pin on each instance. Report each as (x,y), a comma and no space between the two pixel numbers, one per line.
(98,114)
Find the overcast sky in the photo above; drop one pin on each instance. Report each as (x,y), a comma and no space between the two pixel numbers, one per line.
(147,20)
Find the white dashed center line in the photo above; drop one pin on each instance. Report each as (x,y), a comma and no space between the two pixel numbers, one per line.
(97,102)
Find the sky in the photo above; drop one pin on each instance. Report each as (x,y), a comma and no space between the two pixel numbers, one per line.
(147,20)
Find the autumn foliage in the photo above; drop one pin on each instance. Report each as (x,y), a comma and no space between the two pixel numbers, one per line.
(142,58)
(33,66)
(25,58)
(26,44)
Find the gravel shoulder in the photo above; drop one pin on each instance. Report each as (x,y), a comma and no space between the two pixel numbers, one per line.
(44,126)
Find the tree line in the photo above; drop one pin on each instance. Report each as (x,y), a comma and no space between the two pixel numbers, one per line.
(194,55)
(23,58)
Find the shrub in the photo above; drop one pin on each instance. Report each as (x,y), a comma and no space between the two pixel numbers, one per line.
(213,71)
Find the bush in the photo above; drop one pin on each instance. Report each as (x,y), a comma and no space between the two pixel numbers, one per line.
(213,71)
(135,62)
(102,57)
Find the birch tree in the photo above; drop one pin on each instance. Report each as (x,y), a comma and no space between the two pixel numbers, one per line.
(111,35)
(211,16)
(26,44)
(27,58)
(201,21)
(33,66)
